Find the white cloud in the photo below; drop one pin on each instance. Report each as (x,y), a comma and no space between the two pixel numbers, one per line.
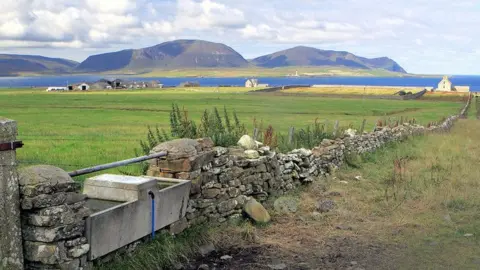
(398,29)
(111,6)
(207,14)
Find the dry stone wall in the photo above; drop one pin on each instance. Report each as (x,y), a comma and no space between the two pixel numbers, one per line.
(224,179)
(53,219)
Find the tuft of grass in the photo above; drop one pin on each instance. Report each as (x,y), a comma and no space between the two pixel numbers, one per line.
(164,252)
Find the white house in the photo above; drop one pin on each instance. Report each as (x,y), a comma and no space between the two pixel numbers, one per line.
(445,85)
(251,83)
(56,88)
(83,87)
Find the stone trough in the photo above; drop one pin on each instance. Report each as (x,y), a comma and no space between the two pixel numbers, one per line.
(122,209)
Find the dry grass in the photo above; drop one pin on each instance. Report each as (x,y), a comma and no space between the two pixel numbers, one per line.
(436,207)
(352,90)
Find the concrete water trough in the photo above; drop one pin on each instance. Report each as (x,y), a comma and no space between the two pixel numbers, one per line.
(122,207)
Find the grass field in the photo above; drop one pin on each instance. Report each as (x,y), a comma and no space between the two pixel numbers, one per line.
(265,72)
(79,129)
(369,90)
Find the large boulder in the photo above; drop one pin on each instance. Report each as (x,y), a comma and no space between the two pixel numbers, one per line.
(179,149)
(256,211)
(43,174)
(286,205)
(247,143)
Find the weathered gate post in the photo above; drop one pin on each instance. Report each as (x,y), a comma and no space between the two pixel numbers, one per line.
(11,248)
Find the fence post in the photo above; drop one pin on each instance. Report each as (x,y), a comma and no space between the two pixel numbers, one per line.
(335,128)
(291,132)
(11,247)
(363,126)
(255,133)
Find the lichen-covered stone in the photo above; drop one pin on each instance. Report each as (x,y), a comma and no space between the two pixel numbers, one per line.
(247,143)
(178,149)
(78,251)
(211,193)
(256,211)
(42,252)
(51,234)
(252,154)
(75,242)
(227,206)
(41,174)
(286,205)
(48,200)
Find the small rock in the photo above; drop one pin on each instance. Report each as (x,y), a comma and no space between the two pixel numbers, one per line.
(325,206)
(344,227)
(433,243)
(335,194)
(343,182)
(350,132)
(203,267)
(179,266)
(279,266)
(206,249)
(252,154)
(358,178)
(226,257)
(247,143)
(447,218)
(353,263)
(468,235)
(316,214)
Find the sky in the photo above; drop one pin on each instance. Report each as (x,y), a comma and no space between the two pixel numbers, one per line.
(423,36)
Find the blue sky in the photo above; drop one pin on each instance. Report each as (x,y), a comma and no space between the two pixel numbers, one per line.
(423,36)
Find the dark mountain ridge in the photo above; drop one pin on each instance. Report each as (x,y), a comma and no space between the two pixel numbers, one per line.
(308,56)
(13,64)
(168,55)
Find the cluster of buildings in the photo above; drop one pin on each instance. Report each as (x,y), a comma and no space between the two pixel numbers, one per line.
(104,84)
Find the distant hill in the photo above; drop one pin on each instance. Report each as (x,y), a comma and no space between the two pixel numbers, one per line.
(13,64)
(169,55)
(307,56)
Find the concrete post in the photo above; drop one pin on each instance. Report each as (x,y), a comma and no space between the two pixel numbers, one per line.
(11,248)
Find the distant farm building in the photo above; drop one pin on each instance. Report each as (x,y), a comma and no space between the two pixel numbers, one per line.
(250,83)
(83,87)
(445,85)
(262,85)
(189,84)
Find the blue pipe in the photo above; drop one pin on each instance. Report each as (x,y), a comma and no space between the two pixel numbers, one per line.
(152,196)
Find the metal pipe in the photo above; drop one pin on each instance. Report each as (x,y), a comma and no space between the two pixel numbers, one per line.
(116,164)
(152,196)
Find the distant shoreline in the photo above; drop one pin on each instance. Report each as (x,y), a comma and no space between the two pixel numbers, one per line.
(290,72)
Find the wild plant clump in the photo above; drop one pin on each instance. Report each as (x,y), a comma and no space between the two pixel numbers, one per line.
(224,130)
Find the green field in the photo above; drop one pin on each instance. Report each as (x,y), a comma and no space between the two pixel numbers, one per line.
(79,129)
(263,72)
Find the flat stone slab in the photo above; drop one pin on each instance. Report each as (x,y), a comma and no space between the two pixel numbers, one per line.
(114,187)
